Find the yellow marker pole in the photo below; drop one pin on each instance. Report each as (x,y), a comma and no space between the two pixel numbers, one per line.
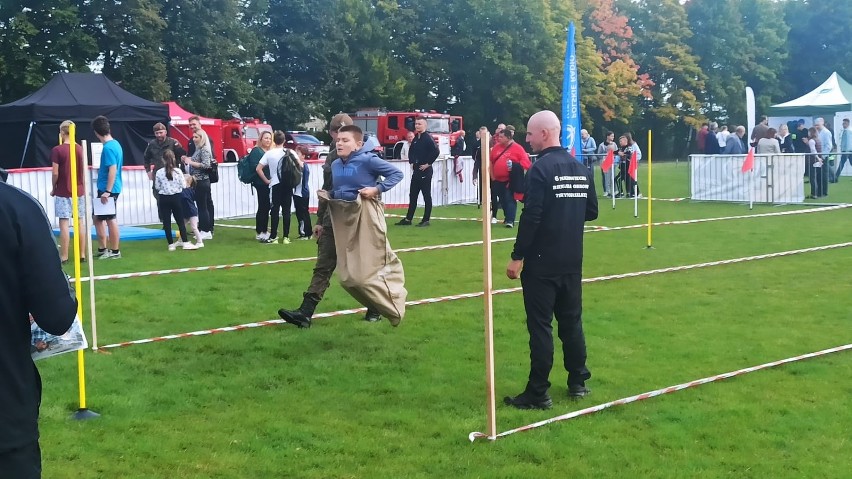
(82,412)
(649,189)
(485,187)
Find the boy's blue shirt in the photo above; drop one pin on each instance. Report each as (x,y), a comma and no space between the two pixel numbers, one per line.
(361,170)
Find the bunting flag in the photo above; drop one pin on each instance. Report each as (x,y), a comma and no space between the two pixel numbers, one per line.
(748,164)
(607,162)
(571,99)
(634,166)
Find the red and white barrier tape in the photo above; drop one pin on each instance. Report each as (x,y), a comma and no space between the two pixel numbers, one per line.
(450,245)
(657,392)
(441,299)
(258,263)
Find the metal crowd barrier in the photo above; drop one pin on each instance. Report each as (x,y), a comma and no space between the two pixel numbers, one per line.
(774,179)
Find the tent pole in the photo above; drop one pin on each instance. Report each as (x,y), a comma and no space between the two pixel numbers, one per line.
(27,144)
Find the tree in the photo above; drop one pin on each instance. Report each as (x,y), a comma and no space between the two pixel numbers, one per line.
(816,45)
(613,38)
(661,29)
(129,36)
(39,41)
(209,55)
(739,44)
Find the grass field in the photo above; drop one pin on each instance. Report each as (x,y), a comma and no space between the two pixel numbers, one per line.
(349,399)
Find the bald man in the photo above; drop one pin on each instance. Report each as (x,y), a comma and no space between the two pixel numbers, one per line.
(559,198)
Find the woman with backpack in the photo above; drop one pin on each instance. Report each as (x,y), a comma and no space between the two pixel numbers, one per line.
(302,196)
(261,217)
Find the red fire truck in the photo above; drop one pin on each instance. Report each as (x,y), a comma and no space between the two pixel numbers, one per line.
(390,127)
(229,139)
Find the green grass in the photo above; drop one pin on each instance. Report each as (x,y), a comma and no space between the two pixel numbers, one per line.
(348,399)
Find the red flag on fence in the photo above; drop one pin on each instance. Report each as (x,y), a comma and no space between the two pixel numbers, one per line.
(607,162)
(634,165)
(748,164)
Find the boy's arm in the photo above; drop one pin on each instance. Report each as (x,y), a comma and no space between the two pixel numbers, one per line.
(391,173)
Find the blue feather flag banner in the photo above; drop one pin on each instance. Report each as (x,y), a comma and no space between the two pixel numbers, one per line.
(571,99)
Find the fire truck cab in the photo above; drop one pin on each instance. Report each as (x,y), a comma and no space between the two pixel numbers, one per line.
(390,128)
(229,139)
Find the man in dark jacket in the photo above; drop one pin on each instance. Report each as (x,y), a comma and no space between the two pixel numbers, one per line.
(33,283)
(559,198)
(421,154)
(161,143)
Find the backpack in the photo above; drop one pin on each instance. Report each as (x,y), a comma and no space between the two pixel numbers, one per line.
(517,179)
(246,172)
(289,171)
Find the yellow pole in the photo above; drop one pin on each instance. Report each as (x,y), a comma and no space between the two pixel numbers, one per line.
(649,188)
(485,187)
(82,412)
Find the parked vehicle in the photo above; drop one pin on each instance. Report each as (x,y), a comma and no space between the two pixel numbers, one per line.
(313,148)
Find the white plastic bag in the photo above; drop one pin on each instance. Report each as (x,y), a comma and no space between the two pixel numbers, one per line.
(44,345)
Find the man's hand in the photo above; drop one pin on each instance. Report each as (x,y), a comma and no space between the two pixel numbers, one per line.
(424,167)
(369,192)
(513,270)
(317,231)
(104,198)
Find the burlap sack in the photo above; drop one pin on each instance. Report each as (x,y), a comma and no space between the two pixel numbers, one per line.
(368,268)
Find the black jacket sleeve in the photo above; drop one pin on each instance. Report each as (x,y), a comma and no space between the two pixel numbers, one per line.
(48,295)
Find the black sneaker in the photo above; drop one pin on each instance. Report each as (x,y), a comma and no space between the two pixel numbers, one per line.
(404,222)
(525,402)
(577,391)
(372,316)
(422,224)
(296,318)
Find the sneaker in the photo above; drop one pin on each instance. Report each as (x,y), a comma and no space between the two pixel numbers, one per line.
(577,391)
(524,401)
(270,241)
(172,247)
(510,225)
(494,221)
(606,195)
(261,236)
(285,240)
(372,316)
(199,244)
(110,255)
(82,260)
(178,243)
(304,238)
(189,246)
(404,222)
(206,235)
(99,253)
(640,196)
(422,224)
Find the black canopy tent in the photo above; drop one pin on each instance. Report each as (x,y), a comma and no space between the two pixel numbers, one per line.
(29,127)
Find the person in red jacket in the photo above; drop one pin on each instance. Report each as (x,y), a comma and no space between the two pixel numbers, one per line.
(509,161)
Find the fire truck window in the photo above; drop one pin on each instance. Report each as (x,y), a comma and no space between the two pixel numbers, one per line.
(409,123)
(456,125)
(393,123)
(235,134)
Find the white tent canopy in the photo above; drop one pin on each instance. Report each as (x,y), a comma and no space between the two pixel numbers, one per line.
(834,95)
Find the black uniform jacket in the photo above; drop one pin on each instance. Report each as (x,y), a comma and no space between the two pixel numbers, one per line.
(559,197)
